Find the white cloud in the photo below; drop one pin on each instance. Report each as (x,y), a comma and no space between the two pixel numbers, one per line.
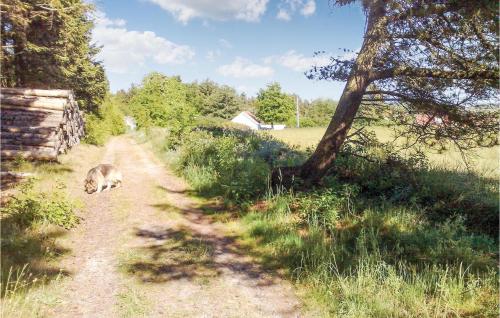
(309,8)
(241,67)
(289,7)
(283,15)
(296,61)
(221,10)
(124,49)
(102,20)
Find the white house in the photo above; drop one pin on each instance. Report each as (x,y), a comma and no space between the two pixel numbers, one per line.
(248,119)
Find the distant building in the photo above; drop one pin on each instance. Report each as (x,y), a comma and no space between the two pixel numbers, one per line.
(248,119)
(426,119)
(130,122)
(271,127)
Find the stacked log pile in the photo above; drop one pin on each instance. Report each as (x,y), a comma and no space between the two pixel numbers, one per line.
(38,124)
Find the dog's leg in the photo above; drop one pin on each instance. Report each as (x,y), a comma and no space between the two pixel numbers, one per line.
(108,186)
(99,187)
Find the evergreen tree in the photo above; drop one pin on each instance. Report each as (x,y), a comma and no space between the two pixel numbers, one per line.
(439,58)
(47,44)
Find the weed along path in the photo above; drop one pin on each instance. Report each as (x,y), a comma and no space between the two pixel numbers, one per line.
(147,250)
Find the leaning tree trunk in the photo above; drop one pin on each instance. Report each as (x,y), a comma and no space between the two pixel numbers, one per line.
(324,156)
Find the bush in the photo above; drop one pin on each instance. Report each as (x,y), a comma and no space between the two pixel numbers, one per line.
(30,206)
(222,160)
(108,121)
(96,130)
(223,165)
(442,194)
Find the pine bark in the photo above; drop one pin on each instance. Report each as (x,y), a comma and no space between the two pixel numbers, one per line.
(323,158)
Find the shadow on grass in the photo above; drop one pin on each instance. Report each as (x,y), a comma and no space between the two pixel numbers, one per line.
(35,167)
(377,237)
(32,248)
(205,193)
(171,255)
(193,251)
(185,254)
(440,194)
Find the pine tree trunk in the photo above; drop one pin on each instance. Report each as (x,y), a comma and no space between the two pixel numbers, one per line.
(328,148)
(20,44)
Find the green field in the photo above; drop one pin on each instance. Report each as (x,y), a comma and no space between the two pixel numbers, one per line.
(486,161)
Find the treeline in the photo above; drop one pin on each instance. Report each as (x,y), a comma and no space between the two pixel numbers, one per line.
(47,44)
(166,101)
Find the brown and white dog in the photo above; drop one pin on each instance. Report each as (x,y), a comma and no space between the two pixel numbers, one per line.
(104,175)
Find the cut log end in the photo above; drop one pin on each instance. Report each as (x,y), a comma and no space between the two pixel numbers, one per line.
(38,124)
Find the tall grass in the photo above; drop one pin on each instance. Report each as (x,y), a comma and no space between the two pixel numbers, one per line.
(485,161)
(24,294)
(386,261)
(389,237)
(31,221)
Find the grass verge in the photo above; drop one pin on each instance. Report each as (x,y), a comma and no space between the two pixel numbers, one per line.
(387,237)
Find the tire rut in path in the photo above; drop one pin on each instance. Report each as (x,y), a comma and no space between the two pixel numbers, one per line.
(92,288)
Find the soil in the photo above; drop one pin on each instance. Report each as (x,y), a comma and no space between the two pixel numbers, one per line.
(149,249)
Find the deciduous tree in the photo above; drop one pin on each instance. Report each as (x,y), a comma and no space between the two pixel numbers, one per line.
(274,106)
(211,99)
(161,101)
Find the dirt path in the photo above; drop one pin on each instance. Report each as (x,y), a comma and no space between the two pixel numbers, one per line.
(146,249)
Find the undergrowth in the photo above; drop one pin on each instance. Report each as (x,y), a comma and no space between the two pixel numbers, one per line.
(383,236)
(29,206)
(107,121)
(31,222)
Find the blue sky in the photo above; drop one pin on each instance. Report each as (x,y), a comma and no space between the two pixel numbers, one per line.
(242,43)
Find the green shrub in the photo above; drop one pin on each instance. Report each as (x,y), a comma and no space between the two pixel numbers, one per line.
(30,206)
(222,165)
(161,101)
(96,131)
(442,194)
(108,121)
(212,122)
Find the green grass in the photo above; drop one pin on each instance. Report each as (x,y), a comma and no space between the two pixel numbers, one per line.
(26,293)
(132,303)
(352,259)
(486,161)
(375,240)
(34,228)
(181,255)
